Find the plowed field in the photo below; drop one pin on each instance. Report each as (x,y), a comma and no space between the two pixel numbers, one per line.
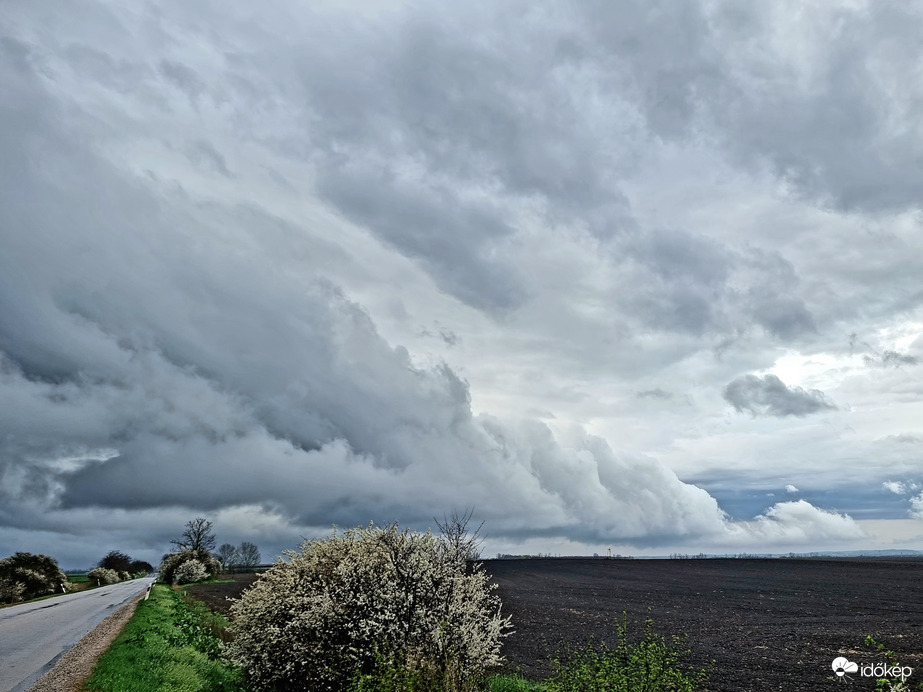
(758,625)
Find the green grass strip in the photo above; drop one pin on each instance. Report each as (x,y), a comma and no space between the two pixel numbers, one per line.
(165,646)
(513,683)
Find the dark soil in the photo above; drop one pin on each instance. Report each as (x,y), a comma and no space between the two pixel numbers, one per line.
(770,624)
(219,595)
(755,624)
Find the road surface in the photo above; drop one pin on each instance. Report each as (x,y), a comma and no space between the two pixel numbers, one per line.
(33,636)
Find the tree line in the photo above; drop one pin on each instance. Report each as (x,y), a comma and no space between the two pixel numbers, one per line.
(195,558)
(24,576)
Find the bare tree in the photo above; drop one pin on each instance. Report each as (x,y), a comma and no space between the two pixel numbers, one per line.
(229,555)
(197,536)
(249,554)
(459,541)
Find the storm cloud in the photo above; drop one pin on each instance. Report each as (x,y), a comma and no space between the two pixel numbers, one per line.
(298,266)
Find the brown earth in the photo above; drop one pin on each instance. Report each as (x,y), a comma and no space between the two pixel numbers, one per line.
(220,595)
(756,624)
(770,624)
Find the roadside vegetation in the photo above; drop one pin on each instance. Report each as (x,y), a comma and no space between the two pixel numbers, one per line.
(167,645)
(25,576)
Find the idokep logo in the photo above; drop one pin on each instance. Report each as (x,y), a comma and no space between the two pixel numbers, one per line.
(843,666)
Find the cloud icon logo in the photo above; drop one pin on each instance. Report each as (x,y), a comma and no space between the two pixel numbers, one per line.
(842,665)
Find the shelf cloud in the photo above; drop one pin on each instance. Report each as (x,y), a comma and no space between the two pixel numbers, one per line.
(295,266)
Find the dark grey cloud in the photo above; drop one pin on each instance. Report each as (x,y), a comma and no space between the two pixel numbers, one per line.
(898,359)
(410,131)
(783,317)
(447,336)
(183,78)
(679,281)
(770,396)
(202,153)
(835,123)
(96,65)
(450,235)
(436,142)
(685,282)
(772,300)
(657,393)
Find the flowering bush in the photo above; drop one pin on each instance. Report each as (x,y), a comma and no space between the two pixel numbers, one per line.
(11,591)
(172,562)
(190,571)
(25,575)
(370,604)
(103,575)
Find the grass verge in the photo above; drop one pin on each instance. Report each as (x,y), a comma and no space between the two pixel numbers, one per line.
(167,645)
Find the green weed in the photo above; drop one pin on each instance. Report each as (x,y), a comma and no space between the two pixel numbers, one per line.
(512,683)
(651,664)
(888,684)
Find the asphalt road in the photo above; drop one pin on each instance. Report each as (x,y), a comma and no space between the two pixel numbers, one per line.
(33,636)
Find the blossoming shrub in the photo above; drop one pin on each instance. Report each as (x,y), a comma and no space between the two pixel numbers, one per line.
(24,576)
(11,591)
(171,563)
(189,572)
(102,575)
(369,606)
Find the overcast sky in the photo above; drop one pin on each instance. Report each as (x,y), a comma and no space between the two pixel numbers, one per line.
(631,275)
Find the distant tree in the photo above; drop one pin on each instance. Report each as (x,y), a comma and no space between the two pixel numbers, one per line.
(249,554)
(229,555)
(197,536)
(25,575)
(140,567)
(116,560)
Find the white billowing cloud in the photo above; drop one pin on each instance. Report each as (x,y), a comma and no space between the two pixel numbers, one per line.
(791,488)
(916,506)
(896,487)
(800,521)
